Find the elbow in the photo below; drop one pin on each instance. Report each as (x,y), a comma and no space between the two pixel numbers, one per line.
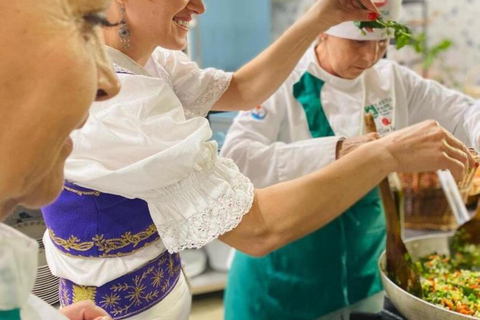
(258,251)
(262,244)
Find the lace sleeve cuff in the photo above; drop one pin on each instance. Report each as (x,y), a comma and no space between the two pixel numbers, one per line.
(212,93)
(202,207)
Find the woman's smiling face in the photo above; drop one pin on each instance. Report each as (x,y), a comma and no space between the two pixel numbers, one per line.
(53,67)
(162,23)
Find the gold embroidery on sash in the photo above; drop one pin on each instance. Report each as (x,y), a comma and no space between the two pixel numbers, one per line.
(124,296)
(63,294)
(83,193)
(104,245)
(137,294)
(71,243)
(107,245)
(82,293)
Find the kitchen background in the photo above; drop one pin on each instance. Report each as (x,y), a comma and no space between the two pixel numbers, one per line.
(232,32)
(229,35)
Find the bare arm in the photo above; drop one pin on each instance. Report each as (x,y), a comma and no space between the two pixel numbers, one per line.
(261,77)
(288,211)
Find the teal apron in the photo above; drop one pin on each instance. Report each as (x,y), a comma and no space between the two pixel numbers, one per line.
(10,315)
(328,270)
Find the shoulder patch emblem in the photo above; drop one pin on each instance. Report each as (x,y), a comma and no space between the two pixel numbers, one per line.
(258,113)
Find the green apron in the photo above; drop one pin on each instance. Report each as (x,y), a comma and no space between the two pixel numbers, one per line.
(328,270)
(10,315)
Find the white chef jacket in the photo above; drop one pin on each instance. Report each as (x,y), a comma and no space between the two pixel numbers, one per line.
(273,143)
(149,143)
(18,269)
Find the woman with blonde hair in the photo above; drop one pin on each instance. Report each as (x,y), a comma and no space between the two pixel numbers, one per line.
(53,67)
(144,180)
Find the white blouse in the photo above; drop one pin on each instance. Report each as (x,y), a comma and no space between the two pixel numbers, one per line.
(18,268)
(141,145)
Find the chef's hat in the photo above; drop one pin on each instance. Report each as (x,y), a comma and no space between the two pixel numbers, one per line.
(389,9)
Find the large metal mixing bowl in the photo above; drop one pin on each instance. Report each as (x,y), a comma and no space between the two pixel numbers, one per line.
(410,306)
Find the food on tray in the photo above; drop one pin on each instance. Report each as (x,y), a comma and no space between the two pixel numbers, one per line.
(425,205)
(474,191)
(453,282)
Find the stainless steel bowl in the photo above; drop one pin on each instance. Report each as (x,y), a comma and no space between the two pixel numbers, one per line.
(410,306)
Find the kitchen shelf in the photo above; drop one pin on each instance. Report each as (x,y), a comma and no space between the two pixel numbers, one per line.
(209,281)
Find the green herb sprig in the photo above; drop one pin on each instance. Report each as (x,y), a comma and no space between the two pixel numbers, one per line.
(401,32)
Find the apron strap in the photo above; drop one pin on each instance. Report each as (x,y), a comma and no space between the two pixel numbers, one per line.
(10,315)
(308,91)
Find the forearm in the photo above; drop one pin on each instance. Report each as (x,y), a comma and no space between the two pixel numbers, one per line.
(260,78)
(288,211)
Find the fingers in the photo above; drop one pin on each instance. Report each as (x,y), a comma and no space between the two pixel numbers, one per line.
(453,147)
(84,310)
(94,312)
(362,10)
(427,146)
(458,155)
(456,167)
(357,4)
(369,5)
(454,142)
(363,15)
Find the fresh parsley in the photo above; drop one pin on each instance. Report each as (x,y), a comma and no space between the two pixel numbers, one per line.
(402,33)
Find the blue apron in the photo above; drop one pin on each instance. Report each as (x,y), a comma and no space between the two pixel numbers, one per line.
(325,271)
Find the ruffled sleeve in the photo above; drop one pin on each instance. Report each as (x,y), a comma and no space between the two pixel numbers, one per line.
(198,89)
(139,145)
(202,207)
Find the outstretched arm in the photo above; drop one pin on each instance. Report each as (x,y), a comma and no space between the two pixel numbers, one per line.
(261,77)
(288,211)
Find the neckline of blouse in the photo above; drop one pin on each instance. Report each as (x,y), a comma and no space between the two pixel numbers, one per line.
(126,62)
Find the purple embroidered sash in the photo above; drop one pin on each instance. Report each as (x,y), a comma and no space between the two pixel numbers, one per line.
(87,223)
(132,293)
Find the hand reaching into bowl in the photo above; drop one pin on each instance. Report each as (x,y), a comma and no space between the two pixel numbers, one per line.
(427,146)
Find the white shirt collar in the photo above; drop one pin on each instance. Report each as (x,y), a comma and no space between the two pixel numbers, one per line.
(18,266)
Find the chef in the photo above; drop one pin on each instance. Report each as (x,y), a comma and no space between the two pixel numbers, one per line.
(315,118)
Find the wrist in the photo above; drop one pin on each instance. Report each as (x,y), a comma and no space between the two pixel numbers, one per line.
(384,157)
(317,20)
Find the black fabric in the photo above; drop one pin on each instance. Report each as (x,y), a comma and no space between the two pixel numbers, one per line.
(388,313)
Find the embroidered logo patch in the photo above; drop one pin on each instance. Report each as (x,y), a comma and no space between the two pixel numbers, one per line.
(258,113)
(382,112)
